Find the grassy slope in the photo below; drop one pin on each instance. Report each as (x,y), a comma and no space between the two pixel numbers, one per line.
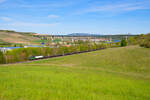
(12,37)
(112,74)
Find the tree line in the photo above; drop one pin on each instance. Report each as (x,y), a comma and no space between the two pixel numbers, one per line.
(143,40)
(23,54)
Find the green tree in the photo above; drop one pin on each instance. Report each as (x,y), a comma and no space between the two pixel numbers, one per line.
(124,42)
(2,59)
(15,45)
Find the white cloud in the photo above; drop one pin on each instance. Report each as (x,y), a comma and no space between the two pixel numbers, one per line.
(29,26)
(1,1)
(48,5)
(6,19)
(116,7)
(53,16)
(25,24)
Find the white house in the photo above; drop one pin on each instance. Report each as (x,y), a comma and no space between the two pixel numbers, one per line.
(5,49)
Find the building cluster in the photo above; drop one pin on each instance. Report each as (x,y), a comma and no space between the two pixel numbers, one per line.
(75,39)
(62,40)
(5,49)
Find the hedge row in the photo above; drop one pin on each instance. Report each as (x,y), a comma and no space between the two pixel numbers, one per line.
(1,58)
(23,54)
(145,44)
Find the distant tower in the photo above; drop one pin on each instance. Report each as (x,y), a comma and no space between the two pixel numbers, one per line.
(110,39)
(72,40)
(128,38)
(52,38)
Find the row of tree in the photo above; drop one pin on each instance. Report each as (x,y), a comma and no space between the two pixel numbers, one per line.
(23,54)
(143,40)
(145,44)
(1,58)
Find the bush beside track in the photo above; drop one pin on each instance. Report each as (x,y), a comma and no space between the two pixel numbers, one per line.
(23,54)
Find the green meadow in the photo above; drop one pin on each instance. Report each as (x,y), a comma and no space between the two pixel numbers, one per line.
(112,74)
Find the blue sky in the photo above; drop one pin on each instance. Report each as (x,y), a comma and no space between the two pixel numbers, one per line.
(69,16)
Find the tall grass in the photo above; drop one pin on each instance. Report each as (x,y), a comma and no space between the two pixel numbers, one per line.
(111,74)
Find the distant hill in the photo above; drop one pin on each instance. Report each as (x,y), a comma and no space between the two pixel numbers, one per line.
(114,37)
(141,38)
(81,34)
(8,36)
(13,37)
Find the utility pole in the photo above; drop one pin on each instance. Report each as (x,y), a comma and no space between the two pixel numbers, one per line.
(128,37)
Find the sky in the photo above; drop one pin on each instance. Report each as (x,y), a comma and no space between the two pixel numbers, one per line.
(76,16)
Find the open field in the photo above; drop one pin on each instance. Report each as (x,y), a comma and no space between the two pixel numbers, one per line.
(12,37)
(111,74)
